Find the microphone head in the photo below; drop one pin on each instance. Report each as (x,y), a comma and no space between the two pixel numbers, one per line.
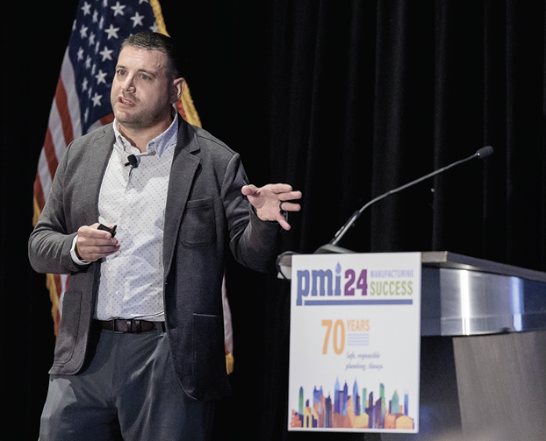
(132,161)
(484,152)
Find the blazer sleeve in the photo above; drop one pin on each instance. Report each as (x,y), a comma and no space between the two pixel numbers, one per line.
(253,242)
(50,242)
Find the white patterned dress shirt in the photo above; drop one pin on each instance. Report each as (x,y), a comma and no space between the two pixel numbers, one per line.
(134,199)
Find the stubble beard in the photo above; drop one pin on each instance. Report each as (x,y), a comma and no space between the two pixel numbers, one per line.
(143,118)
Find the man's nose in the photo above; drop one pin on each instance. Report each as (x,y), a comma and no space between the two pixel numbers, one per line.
(128,84)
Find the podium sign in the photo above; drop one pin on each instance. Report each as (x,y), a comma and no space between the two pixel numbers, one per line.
(354,342)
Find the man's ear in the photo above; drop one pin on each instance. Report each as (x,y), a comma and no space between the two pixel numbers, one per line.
(178,88)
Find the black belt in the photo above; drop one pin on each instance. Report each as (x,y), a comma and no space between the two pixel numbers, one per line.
(130,326)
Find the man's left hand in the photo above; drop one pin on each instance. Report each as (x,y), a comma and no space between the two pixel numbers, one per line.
(270,199)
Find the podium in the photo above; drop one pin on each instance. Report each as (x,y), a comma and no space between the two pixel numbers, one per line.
(483,350)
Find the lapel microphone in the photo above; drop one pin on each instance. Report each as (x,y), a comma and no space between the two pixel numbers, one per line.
(132,161)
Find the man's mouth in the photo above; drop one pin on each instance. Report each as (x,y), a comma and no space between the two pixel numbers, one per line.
(125,101)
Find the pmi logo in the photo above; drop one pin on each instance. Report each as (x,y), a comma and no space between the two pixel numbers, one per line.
(323,283)
(321,287)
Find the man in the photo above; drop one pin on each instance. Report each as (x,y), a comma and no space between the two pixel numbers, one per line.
(140,352)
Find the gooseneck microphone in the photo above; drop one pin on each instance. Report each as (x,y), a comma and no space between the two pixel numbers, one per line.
(132,161)
(482,153)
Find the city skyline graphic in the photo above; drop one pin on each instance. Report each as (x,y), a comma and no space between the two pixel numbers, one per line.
(359,410)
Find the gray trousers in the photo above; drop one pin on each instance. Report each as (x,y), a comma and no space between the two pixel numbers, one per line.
(128,391)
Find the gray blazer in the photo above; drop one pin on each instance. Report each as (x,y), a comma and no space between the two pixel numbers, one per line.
(205,212)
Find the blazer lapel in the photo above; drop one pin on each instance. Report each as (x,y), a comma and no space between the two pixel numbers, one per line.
(184,167)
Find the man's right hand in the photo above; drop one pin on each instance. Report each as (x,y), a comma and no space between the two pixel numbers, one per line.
(93,244)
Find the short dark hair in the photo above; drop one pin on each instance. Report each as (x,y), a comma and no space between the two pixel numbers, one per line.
(154,41)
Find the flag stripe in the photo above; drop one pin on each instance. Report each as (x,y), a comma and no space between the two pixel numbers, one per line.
(107,119)
(58,135)
(61,108)
(44,177)
(49,152)
(69,82)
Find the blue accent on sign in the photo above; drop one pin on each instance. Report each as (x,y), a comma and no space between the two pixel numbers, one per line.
(336,302)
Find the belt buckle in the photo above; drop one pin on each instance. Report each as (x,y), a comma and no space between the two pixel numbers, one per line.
(127,325)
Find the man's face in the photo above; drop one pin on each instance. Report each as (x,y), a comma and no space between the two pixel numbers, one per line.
(142,95)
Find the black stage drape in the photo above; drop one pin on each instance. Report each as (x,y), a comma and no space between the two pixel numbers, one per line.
(344,100)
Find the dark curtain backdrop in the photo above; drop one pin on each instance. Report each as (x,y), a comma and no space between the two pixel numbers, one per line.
(342,99)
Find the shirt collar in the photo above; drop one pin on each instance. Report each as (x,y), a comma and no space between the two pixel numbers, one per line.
(157,145)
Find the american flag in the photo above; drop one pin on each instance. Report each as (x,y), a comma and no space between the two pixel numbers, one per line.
(82,97)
